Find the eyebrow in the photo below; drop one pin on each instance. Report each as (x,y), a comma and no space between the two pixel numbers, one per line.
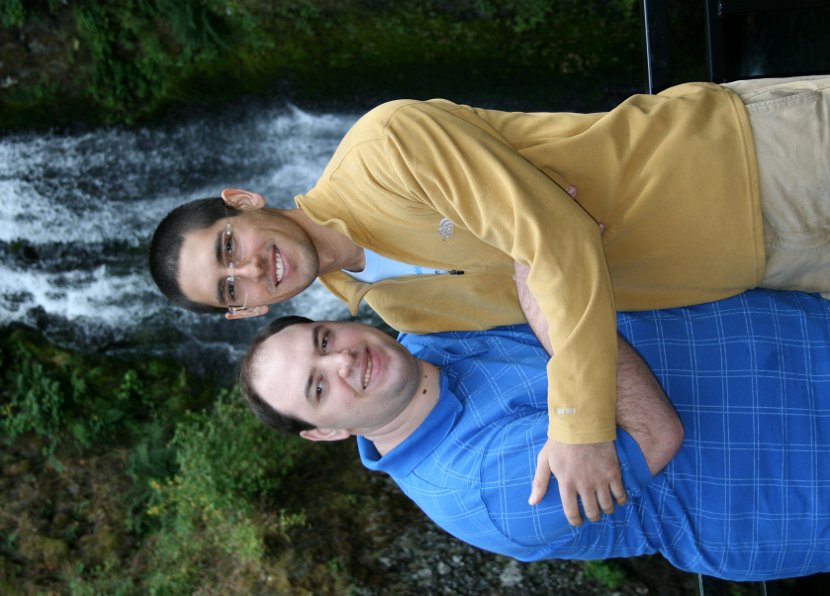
(219,245)
(315,335)
(220,285)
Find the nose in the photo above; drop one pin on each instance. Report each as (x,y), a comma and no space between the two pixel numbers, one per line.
(250,268)
(342,362)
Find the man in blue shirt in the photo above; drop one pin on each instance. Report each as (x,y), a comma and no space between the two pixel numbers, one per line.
(458,429)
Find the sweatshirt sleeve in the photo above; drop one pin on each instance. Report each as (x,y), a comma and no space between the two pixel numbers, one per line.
(462,168)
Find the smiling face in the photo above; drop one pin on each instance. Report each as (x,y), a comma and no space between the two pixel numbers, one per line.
(334,375)
(274,260)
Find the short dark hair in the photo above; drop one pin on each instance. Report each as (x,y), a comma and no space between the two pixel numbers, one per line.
(267,414)
(166,246)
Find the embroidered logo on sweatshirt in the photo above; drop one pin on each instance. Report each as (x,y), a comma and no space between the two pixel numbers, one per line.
(445,229)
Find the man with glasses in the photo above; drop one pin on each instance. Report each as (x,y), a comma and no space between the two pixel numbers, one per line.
(678,179)
(237,258)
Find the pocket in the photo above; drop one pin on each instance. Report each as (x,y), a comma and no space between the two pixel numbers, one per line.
(780,97)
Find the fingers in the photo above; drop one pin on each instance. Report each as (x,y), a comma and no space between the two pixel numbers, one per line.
(570,507)
(606,503)
(591,508)
(594,502)
(605,497)
(619,492)
(541,480)
(588,476)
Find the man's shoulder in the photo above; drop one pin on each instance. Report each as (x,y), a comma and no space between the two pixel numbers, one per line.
(393,113)
(366,143)
(459,345)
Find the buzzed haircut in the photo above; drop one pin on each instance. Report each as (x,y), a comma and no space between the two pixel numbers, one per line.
(166,246)
(267,414)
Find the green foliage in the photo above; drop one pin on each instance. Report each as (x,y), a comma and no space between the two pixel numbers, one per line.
(44,396)
(226,462)
(137,49)
(130,59)
(71,401)
(195,487)
(12,13)
(150,458)
(608,573)
(106,578)
(227,454)
(34,400)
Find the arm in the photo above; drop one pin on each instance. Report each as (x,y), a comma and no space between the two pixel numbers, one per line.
(642,410)
(455,161)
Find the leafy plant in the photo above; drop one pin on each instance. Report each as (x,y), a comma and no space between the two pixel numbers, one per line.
(127,61)
(226,462)
(608,573)
(11,13)
(70,400)
(33,400)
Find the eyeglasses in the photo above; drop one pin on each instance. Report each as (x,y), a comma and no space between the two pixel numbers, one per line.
(236,290)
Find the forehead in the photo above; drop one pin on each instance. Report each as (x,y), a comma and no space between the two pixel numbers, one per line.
(293,340)
(198,265)
(282,364)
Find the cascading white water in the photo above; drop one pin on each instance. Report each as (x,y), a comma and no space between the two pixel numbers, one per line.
(79,210)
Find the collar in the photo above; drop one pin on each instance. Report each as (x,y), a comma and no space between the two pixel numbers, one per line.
(406,456)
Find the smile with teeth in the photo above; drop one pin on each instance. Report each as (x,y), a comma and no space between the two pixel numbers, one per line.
(368,372)
(279,269)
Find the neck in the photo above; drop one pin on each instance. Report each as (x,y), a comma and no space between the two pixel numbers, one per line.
(335,250)
(426,396)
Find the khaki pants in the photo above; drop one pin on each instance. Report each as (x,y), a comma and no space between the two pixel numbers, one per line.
(790,120)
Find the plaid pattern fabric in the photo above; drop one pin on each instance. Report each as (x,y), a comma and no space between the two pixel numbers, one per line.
(746,498)
(750,379)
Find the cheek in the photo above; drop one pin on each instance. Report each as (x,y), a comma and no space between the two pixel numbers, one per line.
(343,400)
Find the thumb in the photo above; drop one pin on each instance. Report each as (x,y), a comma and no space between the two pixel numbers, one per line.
(541,479)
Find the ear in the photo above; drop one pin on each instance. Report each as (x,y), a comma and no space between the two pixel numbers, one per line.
(325,434)
(242,199)
(254,311)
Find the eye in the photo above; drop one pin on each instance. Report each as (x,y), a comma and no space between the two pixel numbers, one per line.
(324,343)
(230,289)
(319,388)
(228,247)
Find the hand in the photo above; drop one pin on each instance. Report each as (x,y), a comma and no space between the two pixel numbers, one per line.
(590,471)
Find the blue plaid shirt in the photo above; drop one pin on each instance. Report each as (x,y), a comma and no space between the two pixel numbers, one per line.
(746,498)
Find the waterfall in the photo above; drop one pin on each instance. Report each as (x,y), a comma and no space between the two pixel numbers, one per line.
(79,210)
